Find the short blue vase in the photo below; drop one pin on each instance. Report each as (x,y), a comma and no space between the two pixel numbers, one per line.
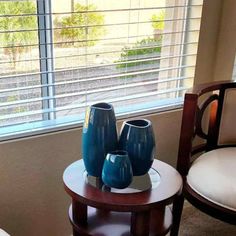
(99,137)
(117,170)
(137,138)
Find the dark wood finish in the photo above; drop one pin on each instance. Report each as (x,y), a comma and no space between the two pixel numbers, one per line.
(140,223)
(187,133)
(191,127)
(209,208)
(177,211)
(164,194)
(145,213)
(119,222)
(82,208)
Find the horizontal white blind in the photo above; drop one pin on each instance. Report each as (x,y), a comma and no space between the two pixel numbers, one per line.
(57,58)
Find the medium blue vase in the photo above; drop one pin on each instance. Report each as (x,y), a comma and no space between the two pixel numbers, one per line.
(117,170)
(137,138)
(99,137)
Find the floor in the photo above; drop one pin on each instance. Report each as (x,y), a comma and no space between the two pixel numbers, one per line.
(196,223)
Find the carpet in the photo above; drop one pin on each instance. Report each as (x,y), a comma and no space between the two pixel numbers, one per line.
(196,223)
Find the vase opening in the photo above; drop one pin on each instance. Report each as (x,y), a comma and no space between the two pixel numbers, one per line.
(139,123)
(103,105)
(119,152)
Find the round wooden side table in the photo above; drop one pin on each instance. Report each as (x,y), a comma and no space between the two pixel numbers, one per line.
(141,209)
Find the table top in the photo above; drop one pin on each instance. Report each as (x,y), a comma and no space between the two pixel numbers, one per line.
(77,186)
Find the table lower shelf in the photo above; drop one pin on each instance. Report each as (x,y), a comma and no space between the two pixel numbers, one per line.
(107,223)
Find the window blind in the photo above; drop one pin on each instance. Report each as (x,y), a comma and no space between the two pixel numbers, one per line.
(58,57)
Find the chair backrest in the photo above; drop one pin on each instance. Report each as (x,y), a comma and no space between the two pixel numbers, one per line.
(218,100)
(227,130)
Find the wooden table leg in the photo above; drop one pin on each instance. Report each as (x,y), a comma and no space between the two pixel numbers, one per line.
(140,223)
(75,233)
(79,213)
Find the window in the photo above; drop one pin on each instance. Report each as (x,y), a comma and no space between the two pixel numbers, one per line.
(59,56)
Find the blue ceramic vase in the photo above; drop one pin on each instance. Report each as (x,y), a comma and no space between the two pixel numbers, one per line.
(137,138)
(117,170)
(99,137)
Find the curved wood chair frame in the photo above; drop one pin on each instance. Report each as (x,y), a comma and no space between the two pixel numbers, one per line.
(191,128)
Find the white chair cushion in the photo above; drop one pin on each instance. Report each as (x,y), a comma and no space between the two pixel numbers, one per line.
(227,132)
(213,176)
(3,233)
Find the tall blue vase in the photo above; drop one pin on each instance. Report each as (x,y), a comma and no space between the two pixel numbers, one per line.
(99,137)
(137,138)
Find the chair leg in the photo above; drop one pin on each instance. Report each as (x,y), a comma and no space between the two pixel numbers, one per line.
(177,212)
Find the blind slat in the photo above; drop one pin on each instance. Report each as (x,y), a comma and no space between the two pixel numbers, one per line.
(76,81)
(97,39)
(102,53)
(102,65)
(104,10)
(97,25)
(137,72)
(5,104)
(93,91)
(84,105)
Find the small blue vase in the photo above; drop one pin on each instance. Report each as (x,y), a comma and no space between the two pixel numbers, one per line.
(117,170)
(137,138)
(99,137)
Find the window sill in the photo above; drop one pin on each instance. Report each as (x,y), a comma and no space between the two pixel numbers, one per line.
(76,121)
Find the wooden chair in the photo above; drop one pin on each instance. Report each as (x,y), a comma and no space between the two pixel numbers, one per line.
(209,168)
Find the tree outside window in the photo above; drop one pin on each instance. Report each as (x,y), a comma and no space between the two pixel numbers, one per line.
(14,38)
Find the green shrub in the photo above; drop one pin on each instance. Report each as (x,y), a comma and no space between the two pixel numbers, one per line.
(141,48)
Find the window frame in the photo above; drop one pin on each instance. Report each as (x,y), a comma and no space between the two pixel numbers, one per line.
(49,122)
(45,36)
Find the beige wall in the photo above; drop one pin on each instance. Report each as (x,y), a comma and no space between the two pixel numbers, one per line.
(211,16)
(226,46)
(217,45)
(32,199)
